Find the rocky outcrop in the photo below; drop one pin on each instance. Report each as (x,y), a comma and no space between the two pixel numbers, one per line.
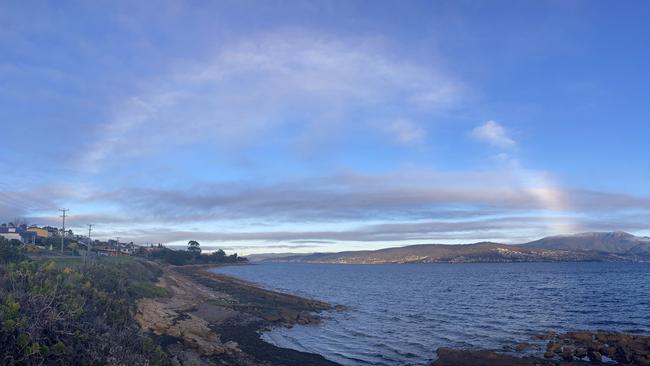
(456,357)
(627,349)
(568,349)
(161,319)
(176,316)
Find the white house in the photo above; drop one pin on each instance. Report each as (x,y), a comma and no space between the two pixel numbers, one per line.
(10,236)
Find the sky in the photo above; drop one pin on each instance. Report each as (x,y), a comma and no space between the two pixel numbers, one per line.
(312,126)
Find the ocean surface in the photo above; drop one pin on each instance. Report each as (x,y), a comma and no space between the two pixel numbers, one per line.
(400,314)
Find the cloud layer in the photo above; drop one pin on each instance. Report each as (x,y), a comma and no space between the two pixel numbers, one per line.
(412,206)
(304,83)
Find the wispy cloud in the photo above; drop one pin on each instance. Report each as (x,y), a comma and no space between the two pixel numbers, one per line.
(296,80)
(494,134)
(405,132)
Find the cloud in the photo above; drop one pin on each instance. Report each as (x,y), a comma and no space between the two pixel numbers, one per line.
(406,195)
(331,198)
(406,206)
(405,132)
(297,82)
(510,229)
(21,202)
(494,134)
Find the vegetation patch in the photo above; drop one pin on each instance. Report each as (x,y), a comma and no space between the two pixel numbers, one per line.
(62,312)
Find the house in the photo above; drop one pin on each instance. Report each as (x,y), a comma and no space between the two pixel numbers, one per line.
(11,236)
(40,232)
(51,231)
(28,237)
(107,252)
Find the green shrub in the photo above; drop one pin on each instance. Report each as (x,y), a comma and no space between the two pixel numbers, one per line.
(76,315)
(10,251)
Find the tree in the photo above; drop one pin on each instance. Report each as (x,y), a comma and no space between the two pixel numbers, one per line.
(10,251)
(194,247)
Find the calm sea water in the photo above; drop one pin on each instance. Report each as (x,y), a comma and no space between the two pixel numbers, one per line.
(400,314)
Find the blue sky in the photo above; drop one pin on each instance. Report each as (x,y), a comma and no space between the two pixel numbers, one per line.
(277,126)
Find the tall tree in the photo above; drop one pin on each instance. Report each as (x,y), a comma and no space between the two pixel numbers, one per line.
(194,247)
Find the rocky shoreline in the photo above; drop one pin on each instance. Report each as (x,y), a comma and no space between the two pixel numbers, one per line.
(212,319)
(568,349)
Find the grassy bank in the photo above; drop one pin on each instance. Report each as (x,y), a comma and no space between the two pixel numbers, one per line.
(64,312)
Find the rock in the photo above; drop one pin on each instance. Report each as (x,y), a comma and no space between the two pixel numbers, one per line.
(522,346)
(609,351)
(160,318)
(454,357)
(581,337)
(553,347)
(623,355)
(642,361)
(547,336)
(567,353)
(580,352)
(595,356)
(231,346)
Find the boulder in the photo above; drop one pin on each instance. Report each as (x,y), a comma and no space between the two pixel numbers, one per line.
(580,352)
(553,347)
(595,356)
(567,353)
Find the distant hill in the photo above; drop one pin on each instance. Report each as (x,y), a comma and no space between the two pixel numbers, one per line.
(617,242)
(615,246)
(267,256)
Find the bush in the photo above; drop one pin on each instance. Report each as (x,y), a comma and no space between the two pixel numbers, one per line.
(10,251)
(67,315)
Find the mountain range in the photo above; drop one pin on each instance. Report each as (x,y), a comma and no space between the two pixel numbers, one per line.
(593,246)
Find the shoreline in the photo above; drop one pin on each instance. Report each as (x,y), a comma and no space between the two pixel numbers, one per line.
(209,318)
(215,319)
